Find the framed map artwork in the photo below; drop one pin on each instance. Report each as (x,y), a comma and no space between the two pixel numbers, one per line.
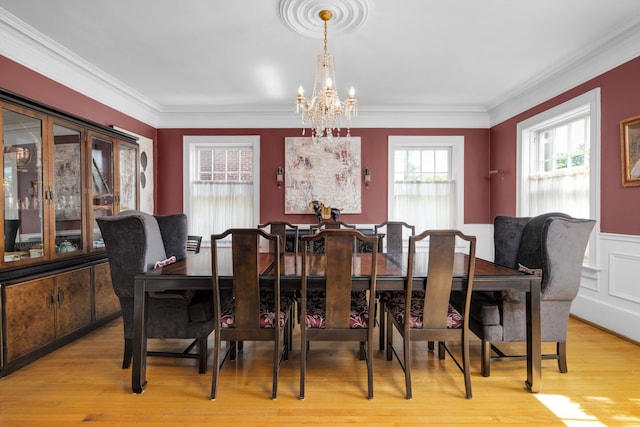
(326,171)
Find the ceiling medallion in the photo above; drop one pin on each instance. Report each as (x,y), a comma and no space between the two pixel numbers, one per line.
(302,15)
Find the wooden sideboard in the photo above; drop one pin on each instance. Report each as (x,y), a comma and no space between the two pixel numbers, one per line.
(60,173)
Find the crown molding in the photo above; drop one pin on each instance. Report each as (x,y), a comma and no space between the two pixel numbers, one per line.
(432,117)
(621,47)
(32,49)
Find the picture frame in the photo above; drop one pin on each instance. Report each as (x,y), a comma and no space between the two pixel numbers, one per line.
(630,149)
(325,170)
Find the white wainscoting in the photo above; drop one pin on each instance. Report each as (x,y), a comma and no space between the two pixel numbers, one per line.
(484,239)
(611,297)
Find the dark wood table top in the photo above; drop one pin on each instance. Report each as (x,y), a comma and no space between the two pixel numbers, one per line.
(391,269)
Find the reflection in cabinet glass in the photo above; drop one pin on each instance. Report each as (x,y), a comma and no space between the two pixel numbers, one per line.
(67,178)
(128,197)
(22,165)
(102,178)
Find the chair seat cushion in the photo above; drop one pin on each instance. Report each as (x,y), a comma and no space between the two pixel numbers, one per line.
(316,308)
(267,311)
(396,307)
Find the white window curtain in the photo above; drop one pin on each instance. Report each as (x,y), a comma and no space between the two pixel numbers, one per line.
(220,206)
(565,191)
(212,206)
(427,205)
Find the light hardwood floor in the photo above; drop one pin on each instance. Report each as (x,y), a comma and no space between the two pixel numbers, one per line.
(83,383)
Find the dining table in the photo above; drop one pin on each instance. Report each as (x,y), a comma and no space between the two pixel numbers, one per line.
(194,273)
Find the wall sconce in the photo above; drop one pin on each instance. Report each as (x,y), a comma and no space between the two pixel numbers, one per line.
(367,177)
(498,172)
(279,176)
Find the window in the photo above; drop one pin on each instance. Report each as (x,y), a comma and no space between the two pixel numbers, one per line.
(221,188)
(424,171)
(558,160)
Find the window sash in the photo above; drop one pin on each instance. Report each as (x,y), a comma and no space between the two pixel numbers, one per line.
(426,194)
(220,183)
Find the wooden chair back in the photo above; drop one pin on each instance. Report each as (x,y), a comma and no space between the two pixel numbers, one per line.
(330,225)
(394,233)
(280,228)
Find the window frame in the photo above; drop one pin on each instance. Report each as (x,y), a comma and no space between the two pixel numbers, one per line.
(191,143)
(588,101)
(454,142)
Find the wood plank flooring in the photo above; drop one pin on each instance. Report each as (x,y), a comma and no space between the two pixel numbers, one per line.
(83,383)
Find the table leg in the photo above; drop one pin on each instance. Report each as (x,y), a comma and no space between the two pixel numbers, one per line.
(534,344)
(138,373)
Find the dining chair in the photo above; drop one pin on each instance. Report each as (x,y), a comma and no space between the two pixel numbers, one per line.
(427,315)
(394,233)
(280,228)
(249,312)
(333,310)
(136,242)
(194,243)
(551,245)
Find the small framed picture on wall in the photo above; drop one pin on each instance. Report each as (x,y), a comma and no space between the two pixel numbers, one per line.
(630,141)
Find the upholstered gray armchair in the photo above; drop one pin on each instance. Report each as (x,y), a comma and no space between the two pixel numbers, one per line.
(553,244)
(135,241)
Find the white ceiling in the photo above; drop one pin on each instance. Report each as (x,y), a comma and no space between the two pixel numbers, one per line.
(201,63)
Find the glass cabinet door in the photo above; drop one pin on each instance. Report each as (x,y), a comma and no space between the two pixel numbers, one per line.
(102,183)
(67,189)
(22,136)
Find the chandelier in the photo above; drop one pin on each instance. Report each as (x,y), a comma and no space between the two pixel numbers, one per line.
(324,111)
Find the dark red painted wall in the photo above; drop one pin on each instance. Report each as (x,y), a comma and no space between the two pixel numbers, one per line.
(29,84)
(374,156)
(484,149)
(620,95)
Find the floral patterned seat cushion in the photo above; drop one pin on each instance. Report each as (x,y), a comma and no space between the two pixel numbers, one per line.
(396,308)
(316,306)
(267,311)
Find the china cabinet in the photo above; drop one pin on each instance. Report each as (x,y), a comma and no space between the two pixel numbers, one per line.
(60,173)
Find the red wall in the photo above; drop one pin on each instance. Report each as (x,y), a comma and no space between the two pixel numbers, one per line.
(374,156)
(29,84)
(620,92)
(484,149)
